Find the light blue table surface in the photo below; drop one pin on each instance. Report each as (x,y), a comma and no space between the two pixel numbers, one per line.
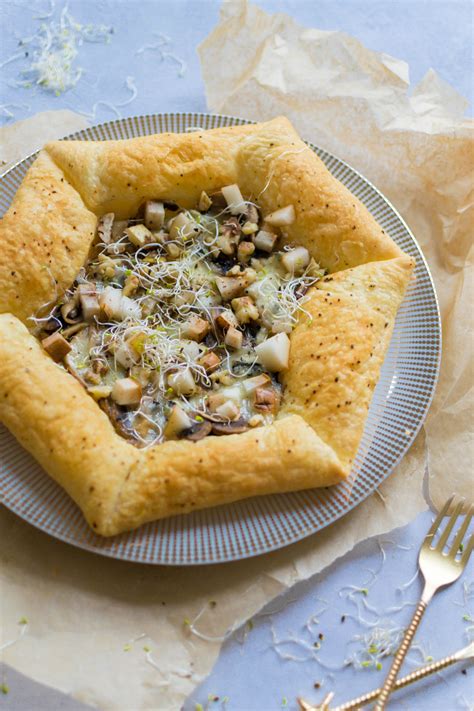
(262,666)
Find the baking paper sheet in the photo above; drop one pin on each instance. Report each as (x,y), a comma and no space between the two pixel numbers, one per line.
(413,143)
(84,612)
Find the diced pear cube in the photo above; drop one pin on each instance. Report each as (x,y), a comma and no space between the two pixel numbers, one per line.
(234,338)
(178,421)
(234,199)
(126,391)
(154,214)
(274,353)
(282,217)
(258,381)
(205,202)
(89,301)
(139,235)
(182,382)
(196,328)
(105,226)
(182,227)
(296,260)
(264,240)
(226,319)
(210,361)
(229,410)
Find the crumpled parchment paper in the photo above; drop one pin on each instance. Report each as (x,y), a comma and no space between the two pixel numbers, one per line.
(84,612)
(413,143)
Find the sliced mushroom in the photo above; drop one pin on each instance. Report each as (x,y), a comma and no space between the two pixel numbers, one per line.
(218,200)
(266,399)
(104,227)
(232,227)
(235,427)
(197,431)
(252,213)
(282,217)
(114,414)
(118,229)
(70,310)
(72,330)
(56,346)
(154,214)
(52,324)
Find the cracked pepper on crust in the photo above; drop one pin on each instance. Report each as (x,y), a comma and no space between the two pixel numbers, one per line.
(336,347)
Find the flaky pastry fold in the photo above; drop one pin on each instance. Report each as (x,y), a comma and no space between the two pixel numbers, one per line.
(337,347)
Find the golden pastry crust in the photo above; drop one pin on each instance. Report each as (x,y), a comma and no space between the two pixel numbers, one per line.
(44,238)
(335,355)
(118,486)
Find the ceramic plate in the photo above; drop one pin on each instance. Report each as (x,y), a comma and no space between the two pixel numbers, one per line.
(259,525)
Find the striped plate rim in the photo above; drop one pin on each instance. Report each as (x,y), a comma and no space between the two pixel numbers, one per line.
(263,524)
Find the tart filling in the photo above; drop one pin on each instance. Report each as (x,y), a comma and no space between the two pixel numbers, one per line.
(178,324)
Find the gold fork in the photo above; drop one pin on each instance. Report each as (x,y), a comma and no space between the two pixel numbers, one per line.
(465,654)
(439,569)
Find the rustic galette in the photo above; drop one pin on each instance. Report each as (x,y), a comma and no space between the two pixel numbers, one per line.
(191,319)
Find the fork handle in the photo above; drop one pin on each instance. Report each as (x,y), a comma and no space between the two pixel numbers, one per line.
(400,656)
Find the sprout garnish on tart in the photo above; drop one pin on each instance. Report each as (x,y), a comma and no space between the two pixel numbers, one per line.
(178,324)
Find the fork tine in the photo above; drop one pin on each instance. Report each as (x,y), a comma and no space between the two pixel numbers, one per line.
(467,551)
(438,519)
(461,533)
(450,525)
